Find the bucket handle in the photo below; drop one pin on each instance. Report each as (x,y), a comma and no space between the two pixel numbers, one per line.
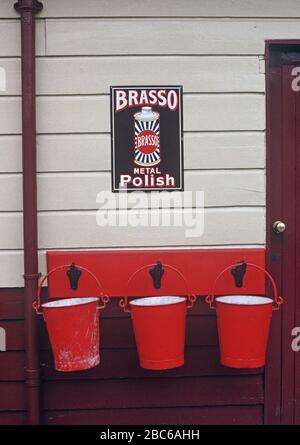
(191,298)
(277,299)
(37,303)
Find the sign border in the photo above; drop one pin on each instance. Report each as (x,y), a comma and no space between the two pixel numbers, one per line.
(112,132)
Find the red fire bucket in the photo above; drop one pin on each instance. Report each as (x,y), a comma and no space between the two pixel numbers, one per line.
(73,327)
(159,327)
(243,325)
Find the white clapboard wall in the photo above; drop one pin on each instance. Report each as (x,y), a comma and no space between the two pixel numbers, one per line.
(213,48)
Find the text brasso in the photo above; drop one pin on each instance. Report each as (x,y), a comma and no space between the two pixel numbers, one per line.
(133,98)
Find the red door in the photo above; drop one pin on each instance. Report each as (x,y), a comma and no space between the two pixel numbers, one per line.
(283,227)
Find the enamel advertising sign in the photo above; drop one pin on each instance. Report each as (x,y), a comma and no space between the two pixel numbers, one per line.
(147,141)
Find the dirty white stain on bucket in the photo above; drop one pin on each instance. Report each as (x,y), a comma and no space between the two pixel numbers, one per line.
(157,301)
(247,300)
(73,328)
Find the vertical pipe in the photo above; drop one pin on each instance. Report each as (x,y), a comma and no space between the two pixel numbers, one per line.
(28,9)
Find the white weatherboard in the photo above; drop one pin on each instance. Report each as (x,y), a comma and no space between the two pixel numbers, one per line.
(217,60)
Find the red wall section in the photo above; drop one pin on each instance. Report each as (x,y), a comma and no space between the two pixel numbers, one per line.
(200,268)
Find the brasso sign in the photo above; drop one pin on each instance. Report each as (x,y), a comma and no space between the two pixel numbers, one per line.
(146,138)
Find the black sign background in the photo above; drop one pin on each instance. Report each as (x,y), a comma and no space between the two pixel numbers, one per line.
(171,140)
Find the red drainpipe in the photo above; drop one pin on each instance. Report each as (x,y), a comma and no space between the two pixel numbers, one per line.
(28,9)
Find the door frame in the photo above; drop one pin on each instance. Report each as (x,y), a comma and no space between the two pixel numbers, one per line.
(280,370)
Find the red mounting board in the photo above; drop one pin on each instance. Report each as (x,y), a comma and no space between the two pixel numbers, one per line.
(113,268)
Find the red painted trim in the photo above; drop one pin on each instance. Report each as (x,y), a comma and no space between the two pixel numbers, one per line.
(280,259)
(289,246)
(113,268)
(270,42)
(297,265)
(273,244)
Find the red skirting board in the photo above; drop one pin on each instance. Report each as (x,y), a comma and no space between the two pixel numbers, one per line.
(113,268)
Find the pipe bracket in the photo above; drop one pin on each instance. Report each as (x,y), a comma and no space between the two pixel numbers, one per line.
(35,6)
(32,276)
(32,377)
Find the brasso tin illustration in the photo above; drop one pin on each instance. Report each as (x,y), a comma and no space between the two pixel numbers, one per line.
(147,148)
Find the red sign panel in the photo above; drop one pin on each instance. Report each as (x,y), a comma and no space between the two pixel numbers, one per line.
(147,138)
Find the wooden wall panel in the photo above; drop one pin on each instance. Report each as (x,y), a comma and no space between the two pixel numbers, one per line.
(202,151)
(168,37)
(12,366)
(169,8)
(142,393)
(224,226)
(13,418)
(227,415)
(13,396)
(11,304)
(56,190)
(12,267)
(90,114)
(95,75)
(15,333)
(10,37)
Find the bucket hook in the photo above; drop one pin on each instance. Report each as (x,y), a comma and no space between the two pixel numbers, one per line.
(191,298)
(238,273)
(36,305)
(74,274)
(156,273)
(278,300)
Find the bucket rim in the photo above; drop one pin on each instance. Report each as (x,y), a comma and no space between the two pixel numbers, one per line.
(157,301)
(244,300)
(69,302)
